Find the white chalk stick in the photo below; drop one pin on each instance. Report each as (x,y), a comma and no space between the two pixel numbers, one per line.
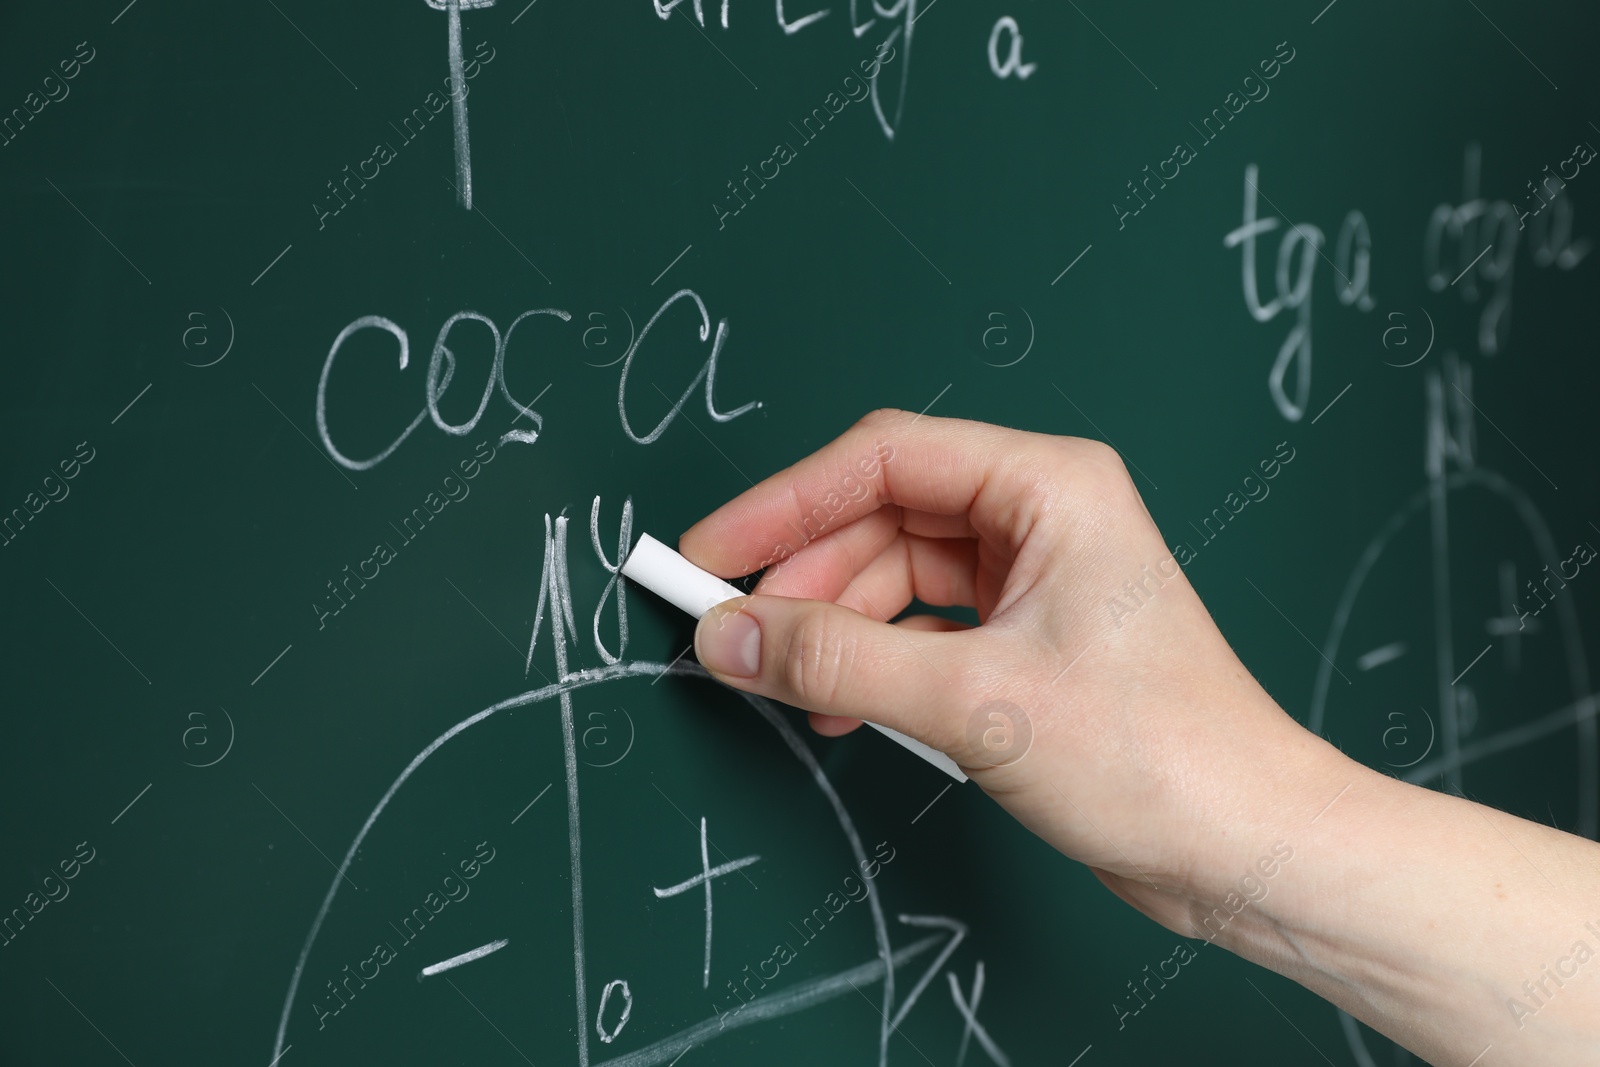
(690,589)
(674,579)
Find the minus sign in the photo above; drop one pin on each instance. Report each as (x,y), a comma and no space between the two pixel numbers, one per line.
(466,957)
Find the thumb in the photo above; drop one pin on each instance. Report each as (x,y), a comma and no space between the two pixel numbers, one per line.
(834,661)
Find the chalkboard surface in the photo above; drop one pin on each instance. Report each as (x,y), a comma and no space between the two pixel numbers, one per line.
(347,345)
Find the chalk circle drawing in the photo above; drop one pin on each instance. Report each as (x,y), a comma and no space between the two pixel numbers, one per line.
(197,738)
(997,337)
(197,336)
(1397,337)
(597,739)
(1012,64)
(999,733)
(1415,540)
(1397,738)
(553,611)
(880,969)
(598,336)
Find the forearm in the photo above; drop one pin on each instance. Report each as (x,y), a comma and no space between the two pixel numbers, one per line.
(1448,926)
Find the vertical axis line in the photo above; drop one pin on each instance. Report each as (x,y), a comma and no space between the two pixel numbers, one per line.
(459,108)
(569,757)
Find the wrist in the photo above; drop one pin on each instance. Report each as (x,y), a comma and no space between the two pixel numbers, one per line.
(1242,889)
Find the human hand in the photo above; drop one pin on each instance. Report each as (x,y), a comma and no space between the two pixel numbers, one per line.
(1135,742)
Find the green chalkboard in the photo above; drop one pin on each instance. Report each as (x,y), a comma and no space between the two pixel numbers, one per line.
(348,346)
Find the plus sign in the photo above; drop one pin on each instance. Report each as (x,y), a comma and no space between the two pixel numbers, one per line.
(1510,627)
(707,873)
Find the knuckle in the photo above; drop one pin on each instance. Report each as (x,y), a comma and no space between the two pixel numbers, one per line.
(1100,473)
(1100,460)
(882,417)
(1086,483)
(818,660)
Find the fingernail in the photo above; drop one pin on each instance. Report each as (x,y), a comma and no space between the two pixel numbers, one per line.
(730,644)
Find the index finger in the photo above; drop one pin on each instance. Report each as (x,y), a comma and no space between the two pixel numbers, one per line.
(945,467)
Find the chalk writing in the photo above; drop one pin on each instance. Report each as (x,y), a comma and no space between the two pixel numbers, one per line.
(906,11)
(466,957)
(614,584)
(704,879)
(609,1036)
(1293,285)
(1476,241)
(442,366)
(346,187)
(971,1027)
(1012,65)
(453,889)
(458,100)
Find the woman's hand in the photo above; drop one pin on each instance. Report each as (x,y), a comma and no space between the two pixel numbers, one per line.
(1099,704)
(1097,701)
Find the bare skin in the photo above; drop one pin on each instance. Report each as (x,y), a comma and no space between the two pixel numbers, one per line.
(1155,757)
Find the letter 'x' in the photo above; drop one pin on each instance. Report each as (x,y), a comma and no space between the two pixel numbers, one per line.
(970,1014)
(708,872)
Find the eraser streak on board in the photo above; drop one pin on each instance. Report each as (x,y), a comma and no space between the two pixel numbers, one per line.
(688,588)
